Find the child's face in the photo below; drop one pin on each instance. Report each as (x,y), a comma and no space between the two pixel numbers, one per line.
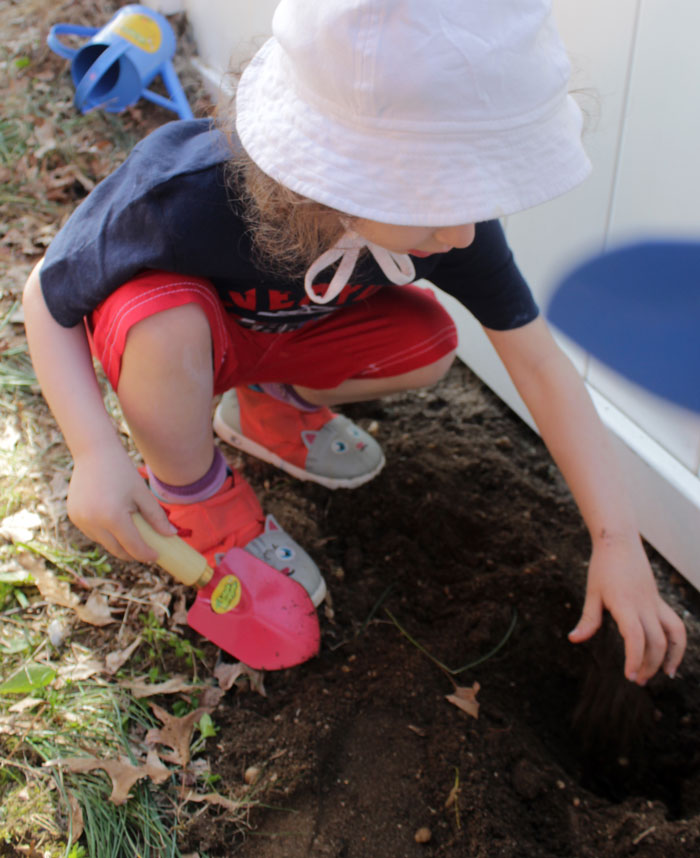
(418,240)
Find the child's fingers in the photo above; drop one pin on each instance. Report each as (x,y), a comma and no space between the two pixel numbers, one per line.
(676,639)
(154,514)
(110,543)
(133,543)
(655,647)
(591,618)
(635,646)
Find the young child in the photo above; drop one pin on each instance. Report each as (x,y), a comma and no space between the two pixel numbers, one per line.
(376,143)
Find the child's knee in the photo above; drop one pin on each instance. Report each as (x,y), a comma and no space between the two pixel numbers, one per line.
(430,374)
(168,332)
(174,345)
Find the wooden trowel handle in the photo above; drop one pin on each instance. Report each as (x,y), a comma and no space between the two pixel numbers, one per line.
(175,556)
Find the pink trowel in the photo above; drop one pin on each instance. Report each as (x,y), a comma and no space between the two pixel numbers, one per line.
(255,613)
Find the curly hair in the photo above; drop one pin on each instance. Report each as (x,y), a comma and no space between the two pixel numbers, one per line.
(287,231)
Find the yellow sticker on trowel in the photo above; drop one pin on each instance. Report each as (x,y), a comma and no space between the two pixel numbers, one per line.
(226,595)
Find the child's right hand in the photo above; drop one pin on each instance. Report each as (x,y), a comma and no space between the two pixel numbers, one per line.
(105,490)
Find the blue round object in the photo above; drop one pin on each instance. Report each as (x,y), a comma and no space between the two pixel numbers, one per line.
(637,309)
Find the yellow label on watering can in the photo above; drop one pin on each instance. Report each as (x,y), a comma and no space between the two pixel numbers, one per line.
(226,595)
(140,30)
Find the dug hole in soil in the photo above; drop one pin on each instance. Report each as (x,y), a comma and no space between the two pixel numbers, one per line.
(468,528)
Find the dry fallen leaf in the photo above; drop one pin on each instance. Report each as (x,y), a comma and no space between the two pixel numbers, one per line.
(54,591)
(122,773)
(465,698)
(77,825)
(119,657)
(139,688)
(95,611)
(25,703)
(83,668)
(227,674)
(176,733)
(160,603)
(20,527)
(179,615)
(211,696)
(215,798)
(9,438)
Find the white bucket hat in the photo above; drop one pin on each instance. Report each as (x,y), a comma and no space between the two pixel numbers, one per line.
(414,112)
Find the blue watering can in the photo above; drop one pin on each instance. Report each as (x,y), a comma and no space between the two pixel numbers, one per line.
(114,68)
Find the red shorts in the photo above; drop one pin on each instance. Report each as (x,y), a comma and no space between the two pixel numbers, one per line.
(396,330)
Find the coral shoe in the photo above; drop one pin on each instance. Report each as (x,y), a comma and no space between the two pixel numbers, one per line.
(234,518)
(312,445)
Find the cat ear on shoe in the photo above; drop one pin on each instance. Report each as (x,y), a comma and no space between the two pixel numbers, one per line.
(279,550)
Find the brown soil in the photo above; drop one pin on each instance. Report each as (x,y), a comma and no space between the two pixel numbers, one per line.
(468,526)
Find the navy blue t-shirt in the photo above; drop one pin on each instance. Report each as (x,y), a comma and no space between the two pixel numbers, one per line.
(168,207)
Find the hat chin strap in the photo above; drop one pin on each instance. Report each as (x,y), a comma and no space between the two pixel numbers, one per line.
(398,267)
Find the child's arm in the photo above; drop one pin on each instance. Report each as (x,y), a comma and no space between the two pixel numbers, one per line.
(105,487)
(619,576)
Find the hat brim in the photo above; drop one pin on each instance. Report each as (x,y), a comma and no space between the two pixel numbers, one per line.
(456,174)
(637,309)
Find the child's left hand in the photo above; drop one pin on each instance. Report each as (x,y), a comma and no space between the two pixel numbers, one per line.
(621,581)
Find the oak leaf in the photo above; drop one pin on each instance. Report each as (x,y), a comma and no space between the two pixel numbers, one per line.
(122,773)
(227,674)
(176,733)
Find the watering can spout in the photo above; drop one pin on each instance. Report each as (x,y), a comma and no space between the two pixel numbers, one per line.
(115,66)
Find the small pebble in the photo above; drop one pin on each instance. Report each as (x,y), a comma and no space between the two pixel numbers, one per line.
(423,835)
(504,443)
(251,775)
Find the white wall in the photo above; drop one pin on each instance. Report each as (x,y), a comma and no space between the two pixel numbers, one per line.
(637,74)
(640,62)
(228,32)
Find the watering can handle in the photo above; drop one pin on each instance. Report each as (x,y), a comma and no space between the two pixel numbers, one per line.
(57,45)
(92,76)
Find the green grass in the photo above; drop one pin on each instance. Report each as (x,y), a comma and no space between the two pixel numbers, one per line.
(78,720)
(41,133)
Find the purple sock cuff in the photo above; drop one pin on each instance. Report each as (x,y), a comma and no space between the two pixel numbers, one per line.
(286,393)
(200,490)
